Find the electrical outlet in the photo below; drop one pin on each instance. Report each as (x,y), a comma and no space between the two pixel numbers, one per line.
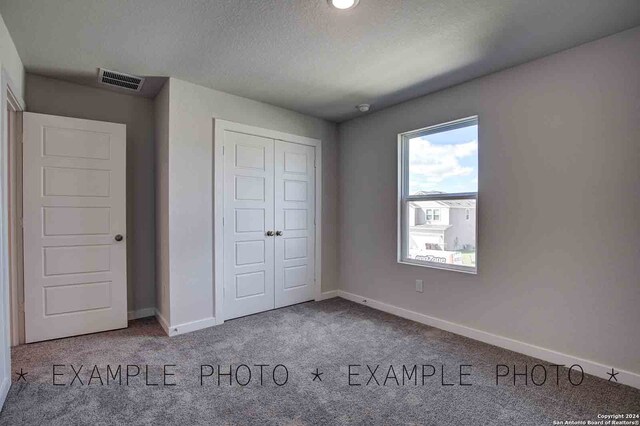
(419,287)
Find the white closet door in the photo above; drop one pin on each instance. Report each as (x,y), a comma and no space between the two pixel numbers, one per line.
(248,217)
(294,220)
(75,252)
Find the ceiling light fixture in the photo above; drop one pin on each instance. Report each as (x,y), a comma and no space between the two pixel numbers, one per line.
(343,4)
(363,107)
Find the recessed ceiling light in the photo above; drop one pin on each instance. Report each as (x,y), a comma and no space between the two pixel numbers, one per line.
(343,4)
(363,107)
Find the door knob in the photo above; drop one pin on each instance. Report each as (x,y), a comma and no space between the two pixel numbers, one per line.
(278,233)
(269,233)
(119,237)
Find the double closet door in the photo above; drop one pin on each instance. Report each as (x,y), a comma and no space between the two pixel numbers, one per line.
(269,224)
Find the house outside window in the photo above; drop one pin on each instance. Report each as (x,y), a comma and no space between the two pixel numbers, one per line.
(438,186)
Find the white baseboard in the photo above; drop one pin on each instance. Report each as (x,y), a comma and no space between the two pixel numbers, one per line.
(4,390)
(328,295)
(174,330)
(141,313)
(187,327)
(589,367)
(163,322)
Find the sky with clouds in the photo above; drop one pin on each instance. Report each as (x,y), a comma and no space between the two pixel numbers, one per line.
(446,161)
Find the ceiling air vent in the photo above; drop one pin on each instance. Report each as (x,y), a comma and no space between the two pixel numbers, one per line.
(121,80)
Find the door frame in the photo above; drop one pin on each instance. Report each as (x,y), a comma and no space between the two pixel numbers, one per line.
(219,127)
(14,195)
(8,100)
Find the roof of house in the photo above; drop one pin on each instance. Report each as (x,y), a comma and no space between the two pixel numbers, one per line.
(464,204)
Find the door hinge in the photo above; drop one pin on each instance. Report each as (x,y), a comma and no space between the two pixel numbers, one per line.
(22,222)
(21,307)
(222,149)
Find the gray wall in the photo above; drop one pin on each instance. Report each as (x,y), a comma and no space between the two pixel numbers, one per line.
(190,187)
(559,182)
(49,96)
(161,134)
(10,61)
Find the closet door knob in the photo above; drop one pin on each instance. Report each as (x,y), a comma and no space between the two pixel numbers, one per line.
(278,233)
(118,237)
(269,233)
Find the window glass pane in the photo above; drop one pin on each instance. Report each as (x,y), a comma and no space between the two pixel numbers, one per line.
(444,160)
(451,240)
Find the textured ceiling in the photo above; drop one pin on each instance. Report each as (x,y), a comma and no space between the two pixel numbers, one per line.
(302,54)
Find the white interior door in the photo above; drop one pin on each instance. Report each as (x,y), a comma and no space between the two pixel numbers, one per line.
(74,226)
(248,218)
(295,223)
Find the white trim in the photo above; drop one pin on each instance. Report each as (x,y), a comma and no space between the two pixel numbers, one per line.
(402,178)
(7,98)
(590,367)
(403,198)
(163,322)
(14,182)
(318,222)
(218,214)
(187,327)
(4,390)
(263,132)
(441,266)
(328,295)
(219,126)
(141,313)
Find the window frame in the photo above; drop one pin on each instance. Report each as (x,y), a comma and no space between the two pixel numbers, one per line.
(404,199)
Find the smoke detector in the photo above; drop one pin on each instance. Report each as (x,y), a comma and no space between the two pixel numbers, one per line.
(120,80)
(363,107)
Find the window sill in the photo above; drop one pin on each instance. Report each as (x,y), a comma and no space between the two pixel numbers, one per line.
(445,267)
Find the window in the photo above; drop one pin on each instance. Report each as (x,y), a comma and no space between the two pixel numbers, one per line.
(438,180)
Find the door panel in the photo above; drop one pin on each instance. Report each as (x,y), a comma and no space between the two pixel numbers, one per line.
(75,260)
(294,217)
(81,297)
(76,220)
(248,215)
(71,182)
(74,183)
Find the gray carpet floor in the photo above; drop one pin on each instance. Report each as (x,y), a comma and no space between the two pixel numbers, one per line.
(329,336)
